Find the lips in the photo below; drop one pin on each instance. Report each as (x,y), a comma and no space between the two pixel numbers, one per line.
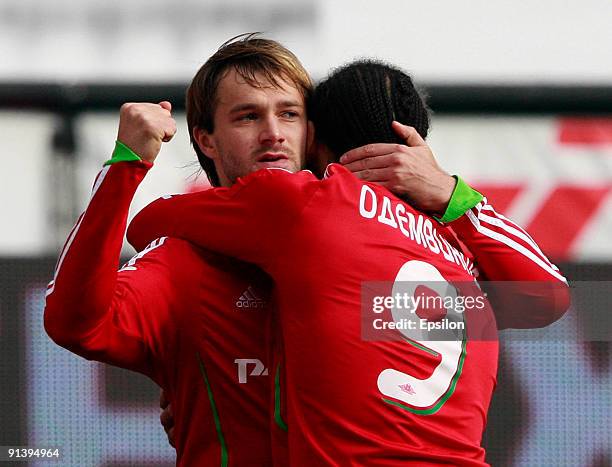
(272,157)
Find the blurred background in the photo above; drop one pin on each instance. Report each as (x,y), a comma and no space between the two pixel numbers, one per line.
(522,101)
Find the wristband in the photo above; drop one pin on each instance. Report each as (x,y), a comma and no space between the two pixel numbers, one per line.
(464,197)
(122,154)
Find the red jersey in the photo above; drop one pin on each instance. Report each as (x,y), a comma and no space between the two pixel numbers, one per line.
(350,401)
(191,320)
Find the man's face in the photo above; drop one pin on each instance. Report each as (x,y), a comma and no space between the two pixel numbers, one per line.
(255,128)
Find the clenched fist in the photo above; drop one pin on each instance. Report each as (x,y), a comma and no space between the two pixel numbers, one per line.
(143,127)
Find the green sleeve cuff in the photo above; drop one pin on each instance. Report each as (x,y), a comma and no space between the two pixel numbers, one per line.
(122,154)
(464,197)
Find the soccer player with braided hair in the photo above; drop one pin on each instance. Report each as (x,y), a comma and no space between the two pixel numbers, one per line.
(342,399)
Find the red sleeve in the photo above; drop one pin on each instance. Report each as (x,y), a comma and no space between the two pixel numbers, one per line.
(527,290)
(91,309)
(250,221)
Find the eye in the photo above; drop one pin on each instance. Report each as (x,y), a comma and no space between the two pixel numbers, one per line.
(248,117)
(290,114)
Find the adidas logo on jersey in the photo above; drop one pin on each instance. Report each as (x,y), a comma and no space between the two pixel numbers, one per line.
(250,299)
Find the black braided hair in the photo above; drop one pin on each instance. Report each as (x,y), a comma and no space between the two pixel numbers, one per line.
(356,104)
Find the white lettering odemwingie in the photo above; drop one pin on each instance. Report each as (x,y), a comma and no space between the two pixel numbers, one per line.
(367,197)
(419,229)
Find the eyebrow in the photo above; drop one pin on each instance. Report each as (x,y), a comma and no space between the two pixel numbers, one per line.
(251,106)
(290,103)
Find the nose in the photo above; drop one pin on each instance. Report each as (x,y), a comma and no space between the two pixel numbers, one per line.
(271,132)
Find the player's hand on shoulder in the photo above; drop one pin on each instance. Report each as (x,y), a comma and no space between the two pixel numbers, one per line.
(410,171)
(143,127)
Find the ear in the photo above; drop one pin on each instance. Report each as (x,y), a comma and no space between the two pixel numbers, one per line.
(310,138)
(206,142)
(325,155)
(318,158)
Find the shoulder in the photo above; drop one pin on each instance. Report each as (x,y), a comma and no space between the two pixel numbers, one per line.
(178,265)
(275,189)
(176,256)
(337,170)
(165,253)
(276,178)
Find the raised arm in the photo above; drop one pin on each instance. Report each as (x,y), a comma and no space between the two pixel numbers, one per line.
(91,309)
(525,288)
(251,221)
